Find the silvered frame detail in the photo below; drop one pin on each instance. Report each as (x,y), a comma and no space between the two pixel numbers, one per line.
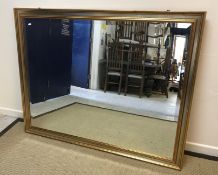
(196,18)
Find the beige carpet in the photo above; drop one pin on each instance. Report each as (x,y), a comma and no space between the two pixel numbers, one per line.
(26,154)
(117,128)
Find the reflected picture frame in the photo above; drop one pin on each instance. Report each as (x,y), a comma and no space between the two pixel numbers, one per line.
(197,19)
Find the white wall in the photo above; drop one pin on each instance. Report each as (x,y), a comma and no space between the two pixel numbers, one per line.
(203,131)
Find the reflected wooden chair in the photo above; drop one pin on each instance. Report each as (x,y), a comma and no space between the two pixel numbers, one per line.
(114,65)
(162,76)
(135,68)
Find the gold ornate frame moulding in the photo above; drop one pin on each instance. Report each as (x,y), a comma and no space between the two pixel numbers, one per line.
(196,18)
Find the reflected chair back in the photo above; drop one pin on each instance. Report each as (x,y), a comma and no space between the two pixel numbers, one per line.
(135,59)
(115,56)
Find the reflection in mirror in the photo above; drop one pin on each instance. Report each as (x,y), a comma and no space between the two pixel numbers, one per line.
(116,82)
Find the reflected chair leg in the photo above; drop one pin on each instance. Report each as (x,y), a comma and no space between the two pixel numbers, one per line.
(167,93)
(105,83)
(120,83)
(141,88)
(126,85)
(166,90)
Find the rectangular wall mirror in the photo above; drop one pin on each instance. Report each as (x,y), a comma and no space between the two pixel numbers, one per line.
(116,81)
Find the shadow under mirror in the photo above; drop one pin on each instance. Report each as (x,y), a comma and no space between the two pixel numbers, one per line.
(116,82)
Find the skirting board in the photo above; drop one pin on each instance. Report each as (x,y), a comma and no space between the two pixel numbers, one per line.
(190,146)
(202,149)
(11,112)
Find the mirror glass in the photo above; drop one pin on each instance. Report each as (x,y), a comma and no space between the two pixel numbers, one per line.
(115,82)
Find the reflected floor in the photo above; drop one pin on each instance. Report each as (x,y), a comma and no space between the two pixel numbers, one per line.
(157,106)
(117,128)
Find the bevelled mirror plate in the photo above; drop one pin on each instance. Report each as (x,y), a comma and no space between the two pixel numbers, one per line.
(116,81)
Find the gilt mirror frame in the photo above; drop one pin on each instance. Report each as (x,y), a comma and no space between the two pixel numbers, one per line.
(195,18)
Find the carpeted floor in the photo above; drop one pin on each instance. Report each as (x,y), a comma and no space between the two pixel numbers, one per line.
(26,154)
(125,130)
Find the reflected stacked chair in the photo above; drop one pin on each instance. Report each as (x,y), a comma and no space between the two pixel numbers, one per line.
(140,32)
(124,30)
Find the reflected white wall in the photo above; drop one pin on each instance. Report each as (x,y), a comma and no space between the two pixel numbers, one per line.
(95,53)
(99,30)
